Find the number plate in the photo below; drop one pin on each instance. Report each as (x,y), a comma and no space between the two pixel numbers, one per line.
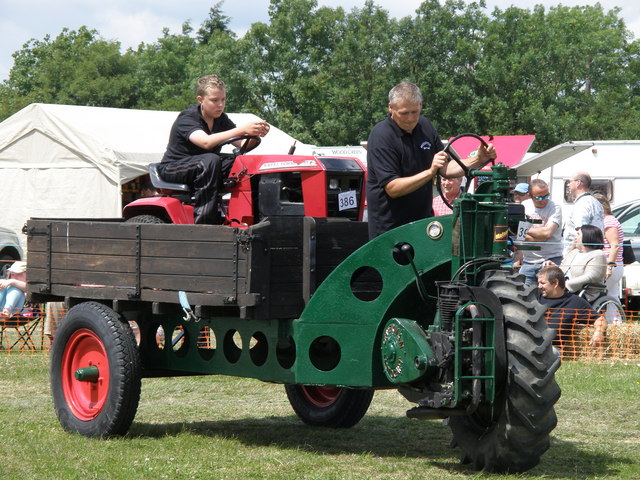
(347,200)
(523,228)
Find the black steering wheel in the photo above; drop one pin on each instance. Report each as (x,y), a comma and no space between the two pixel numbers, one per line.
(452,154)
(245,147)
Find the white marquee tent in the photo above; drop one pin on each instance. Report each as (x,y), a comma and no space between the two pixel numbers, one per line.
(62,161)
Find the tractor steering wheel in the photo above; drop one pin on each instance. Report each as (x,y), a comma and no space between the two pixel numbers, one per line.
(244,148)
(452,154)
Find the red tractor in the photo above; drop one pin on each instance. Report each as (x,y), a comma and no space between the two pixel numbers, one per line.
(264,185)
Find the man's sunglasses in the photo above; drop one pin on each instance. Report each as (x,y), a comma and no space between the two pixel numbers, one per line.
(542,198)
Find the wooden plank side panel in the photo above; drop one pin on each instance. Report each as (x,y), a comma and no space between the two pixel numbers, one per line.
(98,292)
(195,298)
(37,243)
(95,263)
(96,246)
(187,248)
(192,267)
(90,258)
(192,233)
(79,277)
(37,260)
(89,229)
(218,285)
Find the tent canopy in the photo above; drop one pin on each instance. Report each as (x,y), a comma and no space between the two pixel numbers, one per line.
(511,149)
(114,140)
(64,161)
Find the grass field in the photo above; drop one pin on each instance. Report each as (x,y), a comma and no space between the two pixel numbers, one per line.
(230,428)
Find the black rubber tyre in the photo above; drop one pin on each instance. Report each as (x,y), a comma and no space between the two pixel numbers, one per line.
(512,435)
(145,219)
(93,335)
(601,304)
(333,407)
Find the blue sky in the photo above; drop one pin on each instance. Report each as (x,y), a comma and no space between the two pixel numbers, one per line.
(133,21)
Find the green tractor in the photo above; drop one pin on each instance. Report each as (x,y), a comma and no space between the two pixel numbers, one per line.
(431,309)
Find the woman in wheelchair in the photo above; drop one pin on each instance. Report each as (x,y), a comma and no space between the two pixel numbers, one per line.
(585,267)
(586,264)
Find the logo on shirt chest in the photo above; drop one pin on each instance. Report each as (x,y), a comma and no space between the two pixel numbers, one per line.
(426,145)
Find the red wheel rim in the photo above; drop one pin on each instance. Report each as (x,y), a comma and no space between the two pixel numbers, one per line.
(86,399)
(321,396)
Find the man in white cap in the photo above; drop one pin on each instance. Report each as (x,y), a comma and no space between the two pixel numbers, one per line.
(521,192)
(12,290)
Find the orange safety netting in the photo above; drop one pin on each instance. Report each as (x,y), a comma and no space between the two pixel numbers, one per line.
(32,334)
(579,340)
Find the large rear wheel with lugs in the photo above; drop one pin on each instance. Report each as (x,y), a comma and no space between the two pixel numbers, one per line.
(95,372)
(512,434)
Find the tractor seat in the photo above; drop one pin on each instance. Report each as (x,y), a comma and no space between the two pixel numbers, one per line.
(158,182)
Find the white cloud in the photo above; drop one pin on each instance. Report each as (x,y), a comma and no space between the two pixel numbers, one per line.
(132,29)
(10,30)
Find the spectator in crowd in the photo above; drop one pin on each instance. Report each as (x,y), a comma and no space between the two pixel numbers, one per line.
(193,152)
(586,209)
(566,311)
(404,153)
(546,235)
(613,240)
(521,192)
(12,290)
(451,189)
(586,263)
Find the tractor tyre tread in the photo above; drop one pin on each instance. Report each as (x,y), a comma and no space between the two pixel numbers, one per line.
(516,438)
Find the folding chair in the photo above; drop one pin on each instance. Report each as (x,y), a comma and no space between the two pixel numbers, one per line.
(25,325)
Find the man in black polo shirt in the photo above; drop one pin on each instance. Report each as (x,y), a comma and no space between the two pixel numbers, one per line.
(192,155)
(404,152)
(565,311)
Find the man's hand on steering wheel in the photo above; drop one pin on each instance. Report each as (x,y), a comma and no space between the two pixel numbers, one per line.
(250,142)
(440,159)
(486,153)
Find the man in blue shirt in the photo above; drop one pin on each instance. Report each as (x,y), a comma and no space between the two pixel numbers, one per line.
(404,152)
(565,311)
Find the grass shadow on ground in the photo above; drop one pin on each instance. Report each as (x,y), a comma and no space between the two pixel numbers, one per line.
(383,437)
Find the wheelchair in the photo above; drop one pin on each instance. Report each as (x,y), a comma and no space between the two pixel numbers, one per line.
(603,304)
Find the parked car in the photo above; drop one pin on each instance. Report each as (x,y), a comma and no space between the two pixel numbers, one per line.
(10,249)
(628,214)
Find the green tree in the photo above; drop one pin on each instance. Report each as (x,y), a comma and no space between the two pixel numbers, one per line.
(220,54)
(439,49)
(77,68)
(162,79)
(285,57)
(217,22)
(559,74)
(357,76)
